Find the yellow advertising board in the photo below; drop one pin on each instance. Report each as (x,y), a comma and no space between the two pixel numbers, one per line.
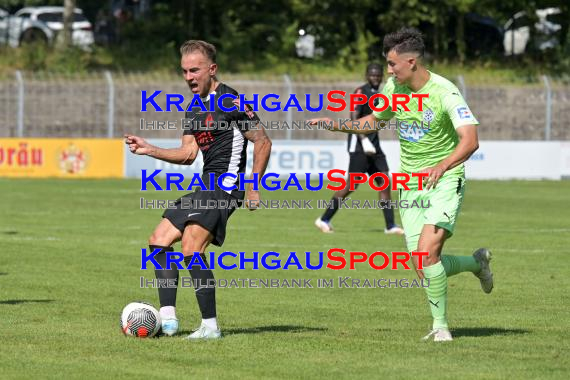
(66,158)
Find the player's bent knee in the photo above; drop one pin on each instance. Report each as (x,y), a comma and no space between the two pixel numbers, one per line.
(165,239)
(154,239)
(158,240)
(196,238)
(194,242)
(432,258)
(195,245)
(191,249)
(419,272)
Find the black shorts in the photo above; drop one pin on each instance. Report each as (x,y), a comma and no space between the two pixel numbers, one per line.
(210,209)
(362,163)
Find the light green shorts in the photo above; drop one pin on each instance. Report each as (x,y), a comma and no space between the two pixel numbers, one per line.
(442,208)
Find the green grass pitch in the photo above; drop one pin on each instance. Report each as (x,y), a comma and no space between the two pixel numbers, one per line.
(70,262)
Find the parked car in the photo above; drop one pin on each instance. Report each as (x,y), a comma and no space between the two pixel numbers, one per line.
(546,30)
(16,31)
(42,24)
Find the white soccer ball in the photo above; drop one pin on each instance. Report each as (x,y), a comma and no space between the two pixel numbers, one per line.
(140,319)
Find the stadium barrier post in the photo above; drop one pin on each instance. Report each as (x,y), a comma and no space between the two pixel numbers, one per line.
(462,87)
(289,91)
(548,91)
(111,101)
(20,109)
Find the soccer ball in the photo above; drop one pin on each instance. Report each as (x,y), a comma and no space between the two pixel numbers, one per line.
(140,319)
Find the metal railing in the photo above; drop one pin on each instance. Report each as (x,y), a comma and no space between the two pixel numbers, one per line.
(108,105)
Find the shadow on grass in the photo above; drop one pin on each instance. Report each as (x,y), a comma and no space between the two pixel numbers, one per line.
(486,331)
(9,232)
(17,302)
(3,273)
(268,329)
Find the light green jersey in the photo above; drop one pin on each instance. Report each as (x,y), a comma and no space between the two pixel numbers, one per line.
(427,137)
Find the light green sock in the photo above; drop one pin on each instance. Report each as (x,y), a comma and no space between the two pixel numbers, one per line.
(458,264)
(437,294)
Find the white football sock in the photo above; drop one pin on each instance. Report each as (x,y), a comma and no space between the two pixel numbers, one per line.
(211,323)
(168,312)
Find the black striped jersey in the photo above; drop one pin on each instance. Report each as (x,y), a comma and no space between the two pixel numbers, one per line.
(354,144)
(222,143)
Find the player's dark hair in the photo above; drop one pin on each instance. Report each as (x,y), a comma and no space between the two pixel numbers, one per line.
(204,47)
(405,40)
(374,66)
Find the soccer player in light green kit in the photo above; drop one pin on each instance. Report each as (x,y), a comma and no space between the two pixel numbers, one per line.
(438,149)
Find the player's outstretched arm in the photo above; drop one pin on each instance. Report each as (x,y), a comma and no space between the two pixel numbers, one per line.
(261,152)
(363,125)
(184,155)
(468,144)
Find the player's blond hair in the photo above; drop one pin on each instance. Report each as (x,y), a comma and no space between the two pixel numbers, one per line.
(204,47)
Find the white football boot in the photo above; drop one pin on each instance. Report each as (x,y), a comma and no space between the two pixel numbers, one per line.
(439,335)
(324,226)
(205,332)
(394,230)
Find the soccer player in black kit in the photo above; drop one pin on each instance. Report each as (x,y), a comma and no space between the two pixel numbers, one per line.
(366,156)
(224,151)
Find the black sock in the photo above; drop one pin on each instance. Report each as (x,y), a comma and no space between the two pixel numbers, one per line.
(166,293)
(203,280)
(388,213)
(329,213)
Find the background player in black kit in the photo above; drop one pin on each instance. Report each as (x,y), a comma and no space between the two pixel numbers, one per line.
(224,151)
(366,156)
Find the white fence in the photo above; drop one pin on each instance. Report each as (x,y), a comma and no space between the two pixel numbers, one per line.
(108,105)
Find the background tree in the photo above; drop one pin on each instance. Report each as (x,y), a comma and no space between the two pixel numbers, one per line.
(64,38)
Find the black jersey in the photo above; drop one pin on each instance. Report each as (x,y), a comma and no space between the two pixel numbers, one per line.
(220,136)
(354,144)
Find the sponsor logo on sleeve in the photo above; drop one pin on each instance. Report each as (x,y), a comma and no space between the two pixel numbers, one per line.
(464,113)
